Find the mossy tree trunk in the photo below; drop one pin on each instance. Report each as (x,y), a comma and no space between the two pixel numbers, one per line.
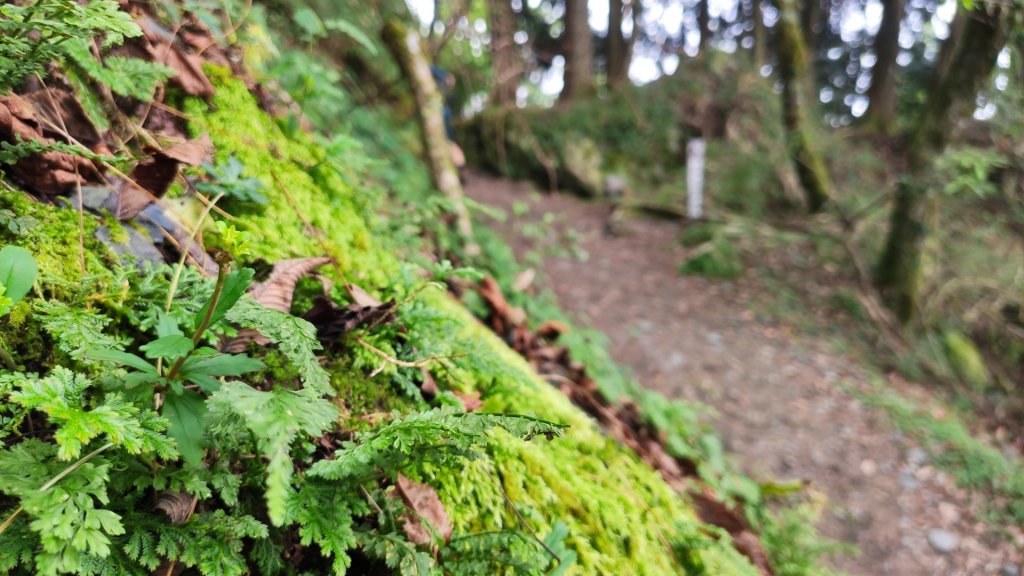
(881,114)
(506,65)
(407,48)
(970,65)
(579,52)
(793,70)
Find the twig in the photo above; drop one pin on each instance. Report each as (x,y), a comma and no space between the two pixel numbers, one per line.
(403,363)
(522,521)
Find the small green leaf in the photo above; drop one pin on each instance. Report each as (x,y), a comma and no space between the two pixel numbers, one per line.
(169,347)
(235,286)
(204,370)
(185,412)
(18,272)
(167,326)
(121,359)
(352,31)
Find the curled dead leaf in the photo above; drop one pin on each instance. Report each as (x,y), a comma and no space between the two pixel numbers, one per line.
(178,506)
(424,505)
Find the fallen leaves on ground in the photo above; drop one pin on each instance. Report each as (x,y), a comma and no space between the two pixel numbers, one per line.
(50,172)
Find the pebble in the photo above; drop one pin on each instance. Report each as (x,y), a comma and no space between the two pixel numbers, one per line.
(917,456)
(907,481)
(942,541)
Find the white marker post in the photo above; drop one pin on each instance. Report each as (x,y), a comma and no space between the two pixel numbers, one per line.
(695,178)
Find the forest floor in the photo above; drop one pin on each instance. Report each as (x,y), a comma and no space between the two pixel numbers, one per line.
(785,401)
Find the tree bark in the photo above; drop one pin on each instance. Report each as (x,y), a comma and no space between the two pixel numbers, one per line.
(618,50)
(793,68)
(704,23)
(948,50)
(973,56)
(579,54)
(760,36)
(506,65)
(881,113)
(407,48)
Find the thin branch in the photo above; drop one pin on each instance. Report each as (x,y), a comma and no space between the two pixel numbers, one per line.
(403,363)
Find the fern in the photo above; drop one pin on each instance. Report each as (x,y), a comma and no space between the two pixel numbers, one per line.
(61,396)
(489,553)
(212,542)
(34,34)
(442,438)
(295,337)
(64,516)
(398,553)
(275,418)
(324,512)
(75,330)
(132,77)
(21,148)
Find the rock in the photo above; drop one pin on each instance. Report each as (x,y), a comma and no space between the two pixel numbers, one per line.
(908,481)
(942,541)
(138,246)
(917,456)
(1009,570)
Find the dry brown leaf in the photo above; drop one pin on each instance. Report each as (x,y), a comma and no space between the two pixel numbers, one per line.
(470,401)
(362,297)
(188,69)
(276,293)
(177,505)
(277,290)
(47,173)
(190,152)
(524,279)
(424,504)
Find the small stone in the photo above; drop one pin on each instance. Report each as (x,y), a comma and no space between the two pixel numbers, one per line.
(908,481)
(868,467)
(948,512)
(1009,570)
(942,541)
(917,456)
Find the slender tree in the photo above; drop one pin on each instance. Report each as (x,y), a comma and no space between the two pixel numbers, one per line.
(618,50)
(793,71)
(971,62)
(881,112)
(579,52)
(760,35)
(704,23)
(506,64)
(408,50)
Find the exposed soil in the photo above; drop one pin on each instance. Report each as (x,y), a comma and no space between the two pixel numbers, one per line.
(780,406)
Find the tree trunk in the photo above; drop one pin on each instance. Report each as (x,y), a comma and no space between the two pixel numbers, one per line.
(704,23)
(618,50)
(881,113)
(579,54)
(810,23)
(407,48)
(506,65)
(948,50)
(971,62)
(760,36)
(793,66)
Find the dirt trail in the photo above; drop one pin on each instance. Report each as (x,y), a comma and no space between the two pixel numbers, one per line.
(780,407)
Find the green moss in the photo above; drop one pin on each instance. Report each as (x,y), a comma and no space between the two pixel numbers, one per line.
(54,241)
(621,515)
